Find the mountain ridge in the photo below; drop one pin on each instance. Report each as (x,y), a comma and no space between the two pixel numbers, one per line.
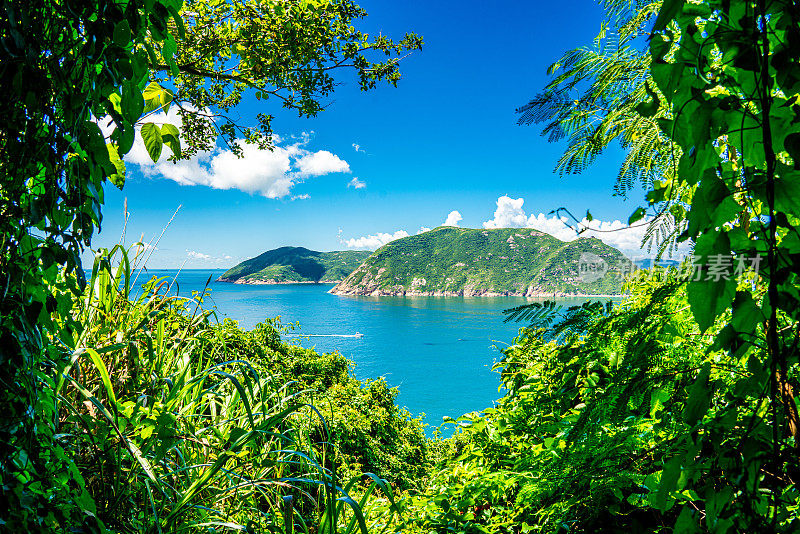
(293,265)
(452,261)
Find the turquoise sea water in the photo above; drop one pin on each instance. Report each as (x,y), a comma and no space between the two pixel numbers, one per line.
(438,351)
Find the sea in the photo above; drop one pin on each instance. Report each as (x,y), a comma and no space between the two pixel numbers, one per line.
(438,351)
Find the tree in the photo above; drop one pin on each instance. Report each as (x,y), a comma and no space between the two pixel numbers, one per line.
(65,65)
(285,52)
(727,72)
(677,410)
(592,101)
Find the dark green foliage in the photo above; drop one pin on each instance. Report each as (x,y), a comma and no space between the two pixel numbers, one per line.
(463,261)
(610,429)
(67,68)
(62,64)
(296,264)
(368,430)
(178,421)
(675,411)
(727,75)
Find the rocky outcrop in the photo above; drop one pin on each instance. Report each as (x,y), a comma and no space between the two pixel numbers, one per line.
(497,262)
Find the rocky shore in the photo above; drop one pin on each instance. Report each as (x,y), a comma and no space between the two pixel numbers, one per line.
(270,282)
(400,291)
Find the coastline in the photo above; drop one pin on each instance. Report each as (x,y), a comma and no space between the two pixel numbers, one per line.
(469,293)
(242,281)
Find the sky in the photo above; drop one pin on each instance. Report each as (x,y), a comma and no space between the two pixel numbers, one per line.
(443,147)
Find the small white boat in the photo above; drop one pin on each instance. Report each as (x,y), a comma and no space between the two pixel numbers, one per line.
(358,334)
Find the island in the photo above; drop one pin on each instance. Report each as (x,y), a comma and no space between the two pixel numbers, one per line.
(451,261)
(295,265)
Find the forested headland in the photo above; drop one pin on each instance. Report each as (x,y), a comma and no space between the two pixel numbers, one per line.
(671,411)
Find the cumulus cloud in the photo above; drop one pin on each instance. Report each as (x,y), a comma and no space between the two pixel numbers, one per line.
(194,255)
(272,174)
(356,183)
(509,214)
(618,234)
(373,242)
(197,258)
(319,163)
(423,229)
(452,219)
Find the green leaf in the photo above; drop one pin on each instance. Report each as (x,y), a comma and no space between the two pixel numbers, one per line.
(668,10)
(132,102)
(746,314)
(709,297)
(151,135)
(669,480)
(686,523)
(173,10)
(156,97)
(636,215)
(791,143)
(699,397)
(104,376)
(118,178)
(787,196)
(648,109)
(168,51)
(122,33)
(171,137)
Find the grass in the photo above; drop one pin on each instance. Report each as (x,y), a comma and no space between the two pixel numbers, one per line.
(180,423)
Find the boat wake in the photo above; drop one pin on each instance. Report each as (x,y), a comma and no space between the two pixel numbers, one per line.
(357,334)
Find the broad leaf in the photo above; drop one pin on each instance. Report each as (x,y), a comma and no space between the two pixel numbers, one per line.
(132,102)
(713,286)
(699,397)
(151,135)
(171,137)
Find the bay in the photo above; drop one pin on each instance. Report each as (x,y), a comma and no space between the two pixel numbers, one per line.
(438,351)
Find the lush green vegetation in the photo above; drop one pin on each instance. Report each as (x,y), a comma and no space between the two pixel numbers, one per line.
(114,374)
(463,261)
(179,422)
(676,411)
(672,411)
(295,264)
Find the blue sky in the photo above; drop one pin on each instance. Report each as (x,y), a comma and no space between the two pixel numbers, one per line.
(444,140)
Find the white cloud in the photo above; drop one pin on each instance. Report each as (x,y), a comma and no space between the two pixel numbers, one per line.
(194,255)
(356,183)
(509,214)
(373,242)
(196,258)
(272,174)
(423,229)
(618,234)
(319,163)
(304,196)
(452,219)
(358,148)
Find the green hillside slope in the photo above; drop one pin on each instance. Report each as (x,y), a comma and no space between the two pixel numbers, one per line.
(295,264)
(504,261)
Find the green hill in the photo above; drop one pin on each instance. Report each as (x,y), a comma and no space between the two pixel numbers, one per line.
(295,264)
(504,261)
